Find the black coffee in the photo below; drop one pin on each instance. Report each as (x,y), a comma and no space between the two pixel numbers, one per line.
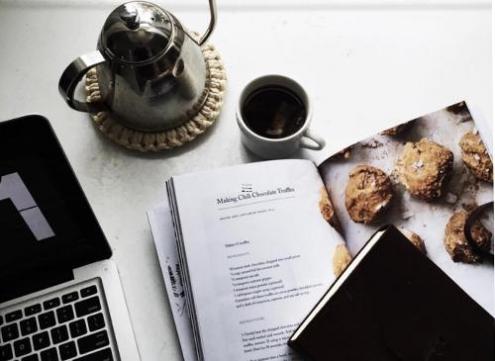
(274,112)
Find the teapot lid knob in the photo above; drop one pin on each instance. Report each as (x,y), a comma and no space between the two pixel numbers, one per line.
(131,17)
(136,32)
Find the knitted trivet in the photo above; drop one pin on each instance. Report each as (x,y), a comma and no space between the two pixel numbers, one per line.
(155,141)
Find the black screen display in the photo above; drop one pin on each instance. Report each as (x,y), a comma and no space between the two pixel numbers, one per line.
(45,219)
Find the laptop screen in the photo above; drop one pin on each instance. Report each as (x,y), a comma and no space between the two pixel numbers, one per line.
(45,219)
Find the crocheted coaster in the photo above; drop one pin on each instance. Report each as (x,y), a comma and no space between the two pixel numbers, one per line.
(156,141)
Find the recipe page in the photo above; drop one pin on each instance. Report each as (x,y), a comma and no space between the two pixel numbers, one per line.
(259,254)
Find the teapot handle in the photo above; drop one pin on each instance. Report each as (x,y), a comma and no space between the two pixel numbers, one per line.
(72,75)
(211,26)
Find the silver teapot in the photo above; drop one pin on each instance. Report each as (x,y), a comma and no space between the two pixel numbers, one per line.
(151,72)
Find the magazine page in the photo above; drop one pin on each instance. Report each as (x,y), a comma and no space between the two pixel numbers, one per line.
(425,176)
(259,252)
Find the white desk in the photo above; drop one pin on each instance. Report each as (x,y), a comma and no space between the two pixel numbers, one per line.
(366,66)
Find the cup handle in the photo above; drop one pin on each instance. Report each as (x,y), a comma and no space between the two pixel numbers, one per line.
(310,140)
(72,75)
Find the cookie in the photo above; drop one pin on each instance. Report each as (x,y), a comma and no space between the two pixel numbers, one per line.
(368,193)
(416,240)
(423,168)
(456,243)
(341,259)
(481,236)
(475,157)
(327,209)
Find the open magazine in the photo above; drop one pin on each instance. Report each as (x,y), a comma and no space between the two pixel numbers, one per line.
(257,245)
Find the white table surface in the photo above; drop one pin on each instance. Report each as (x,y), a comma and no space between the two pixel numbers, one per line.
(366,64)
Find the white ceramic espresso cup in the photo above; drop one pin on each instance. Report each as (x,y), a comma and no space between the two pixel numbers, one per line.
(272,148)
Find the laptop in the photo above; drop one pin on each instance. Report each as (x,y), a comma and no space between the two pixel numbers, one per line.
(60,294)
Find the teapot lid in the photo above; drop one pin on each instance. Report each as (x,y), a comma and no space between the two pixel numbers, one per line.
(136,32)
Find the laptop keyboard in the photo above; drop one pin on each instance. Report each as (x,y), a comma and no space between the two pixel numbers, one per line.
(71,324)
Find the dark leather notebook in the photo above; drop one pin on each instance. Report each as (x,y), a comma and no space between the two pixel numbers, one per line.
(393,303)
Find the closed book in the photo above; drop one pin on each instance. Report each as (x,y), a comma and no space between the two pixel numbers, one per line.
(393,303)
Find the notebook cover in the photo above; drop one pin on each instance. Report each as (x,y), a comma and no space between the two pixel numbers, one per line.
(398,305)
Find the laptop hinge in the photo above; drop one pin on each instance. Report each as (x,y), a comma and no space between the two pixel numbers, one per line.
(22,285)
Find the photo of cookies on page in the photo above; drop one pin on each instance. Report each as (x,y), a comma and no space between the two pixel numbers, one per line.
(427,176)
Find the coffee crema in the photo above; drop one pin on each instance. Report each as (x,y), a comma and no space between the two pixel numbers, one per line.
(274,112)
